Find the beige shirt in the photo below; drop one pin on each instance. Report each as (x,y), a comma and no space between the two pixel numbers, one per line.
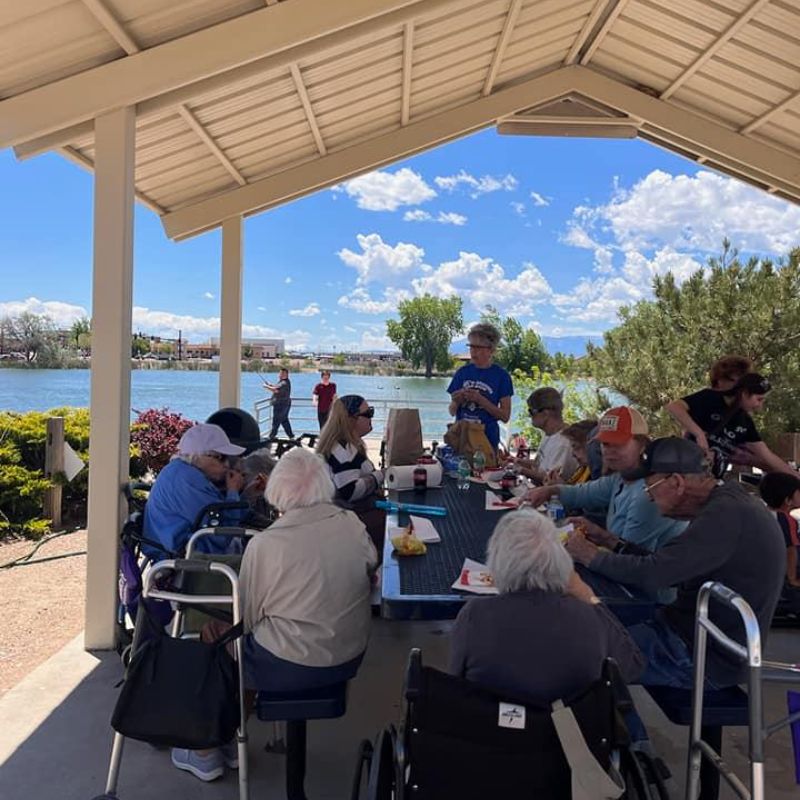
(305,584)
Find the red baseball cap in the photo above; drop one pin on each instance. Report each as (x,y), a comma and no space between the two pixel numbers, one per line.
(619,425)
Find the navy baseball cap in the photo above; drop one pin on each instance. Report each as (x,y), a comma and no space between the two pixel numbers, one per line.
(670,454)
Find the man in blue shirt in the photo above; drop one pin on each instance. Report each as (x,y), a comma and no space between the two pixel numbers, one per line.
(481,391)
(188,484)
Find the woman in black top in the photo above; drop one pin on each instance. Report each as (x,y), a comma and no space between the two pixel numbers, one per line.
(720,422)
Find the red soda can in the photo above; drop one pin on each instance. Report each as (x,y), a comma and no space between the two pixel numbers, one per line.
(420,479)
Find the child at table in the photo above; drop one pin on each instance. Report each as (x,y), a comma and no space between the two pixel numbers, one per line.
(781,492)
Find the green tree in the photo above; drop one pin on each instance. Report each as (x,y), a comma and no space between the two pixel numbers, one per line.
(34,335)
(521,348)
(80,334)
(664,347)
(425,330)
(139,345)
(339,360)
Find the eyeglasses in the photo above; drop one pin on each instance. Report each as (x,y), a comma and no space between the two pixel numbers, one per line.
(218,457)
(534,411)
(648,490)
(369,413)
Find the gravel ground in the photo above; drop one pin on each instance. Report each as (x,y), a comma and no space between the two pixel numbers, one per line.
(41,605)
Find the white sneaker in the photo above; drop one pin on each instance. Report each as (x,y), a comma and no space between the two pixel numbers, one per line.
(230,754)
(207,767)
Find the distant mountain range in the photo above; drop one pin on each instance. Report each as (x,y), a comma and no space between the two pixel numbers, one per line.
(569,345)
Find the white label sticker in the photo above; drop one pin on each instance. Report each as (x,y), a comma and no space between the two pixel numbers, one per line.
(511,716)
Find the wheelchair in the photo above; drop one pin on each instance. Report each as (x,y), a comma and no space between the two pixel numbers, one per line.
(462,741)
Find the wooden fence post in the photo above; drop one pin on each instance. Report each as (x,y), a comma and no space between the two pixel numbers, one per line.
(54,464)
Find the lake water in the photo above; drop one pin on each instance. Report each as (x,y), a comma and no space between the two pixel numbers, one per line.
(194,393)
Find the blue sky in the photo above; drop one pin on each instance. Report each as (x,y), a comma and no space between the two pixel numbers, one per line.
(557,232)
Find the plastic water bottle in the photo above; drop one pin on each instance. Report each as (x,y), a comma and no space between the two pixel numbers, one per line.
(463,474)
(478,463)
(555,509)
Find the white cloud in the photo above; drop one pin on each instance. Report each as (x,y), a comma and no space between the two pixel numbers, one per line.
(540,199)
(61,314)
(695,213)
(208,295)
(417,215)
(287,279)
(443,217)
(261,308)
(598,300)
(376,341)
(519,208)
(311,310)
(477,186)
(481,281)
(360,300)
(387,191)
(198,329)
(380,261)
(639,269)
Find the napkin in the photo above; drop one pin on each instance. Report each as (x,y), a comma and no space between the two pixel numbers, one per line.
(423,530)
(496,503)
(476,578)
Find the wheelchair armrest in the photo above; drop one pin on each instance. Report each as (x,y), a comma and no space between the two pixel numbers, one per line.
(413,680)
(619,689)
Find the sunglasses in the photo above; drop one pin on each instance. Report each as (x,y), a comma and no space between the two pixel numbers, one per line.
(534,411)
(218,457)
(369,413)
(479,347)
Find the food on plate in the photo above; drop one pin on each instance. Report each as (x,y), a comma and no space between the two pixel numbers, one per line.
(474,577)
(407,544)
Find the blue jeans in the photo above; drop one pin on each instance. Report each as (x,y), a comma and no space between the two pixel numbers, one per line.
(669,663)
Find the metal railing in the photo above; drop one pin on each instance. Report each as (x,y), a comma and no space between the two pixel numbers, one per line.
(434,416)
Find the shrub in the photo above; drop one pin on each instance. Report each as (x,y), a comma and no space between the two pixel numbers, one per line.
(155,435)
(22,481)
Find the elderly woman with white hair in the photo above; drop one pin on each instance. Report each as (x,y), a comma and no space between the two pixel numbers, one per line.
(305,585)
(198,475)
(545,636)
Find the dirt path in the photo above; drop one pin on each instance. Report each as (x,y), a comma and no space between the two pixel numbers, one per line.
(41,605)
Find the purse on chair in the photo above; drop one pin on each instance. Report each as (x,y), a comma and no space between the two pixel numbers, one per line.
(179,692)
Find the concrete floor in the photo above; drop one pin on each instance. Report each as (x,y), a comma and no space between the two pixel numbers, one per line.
(55,738)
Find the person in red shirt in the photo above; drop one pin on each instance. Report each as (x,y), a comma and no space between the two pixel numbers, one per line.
(322,396)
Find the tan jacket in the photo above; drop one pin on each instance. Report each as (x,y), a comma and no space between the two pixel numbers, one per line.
(305,584)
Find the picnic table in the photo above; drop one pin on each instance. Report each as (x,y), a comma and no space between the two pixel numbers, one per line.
(420,587)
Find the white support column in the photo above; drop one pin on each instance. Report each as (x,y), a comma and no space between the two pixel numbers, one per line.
(230,341)
(112,292)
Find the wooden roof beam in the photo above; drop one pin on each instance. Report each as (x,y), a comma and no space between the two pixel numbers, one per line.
(187,61)
(502,44)
(718,44)
(300,86)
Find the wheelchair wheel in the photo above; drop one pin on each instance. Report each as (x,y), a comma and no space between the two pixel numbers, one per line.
(644,776)
(363,759)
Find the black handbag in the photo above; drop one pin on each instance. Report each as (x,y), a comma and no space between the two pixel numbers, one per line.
(180,692)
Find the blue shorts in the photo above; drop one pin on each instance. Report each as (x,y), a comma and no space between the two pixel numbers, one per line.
(263,670)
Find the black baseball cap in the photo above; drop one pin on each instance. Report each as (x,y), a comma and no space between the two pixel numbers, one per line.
(670,454)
